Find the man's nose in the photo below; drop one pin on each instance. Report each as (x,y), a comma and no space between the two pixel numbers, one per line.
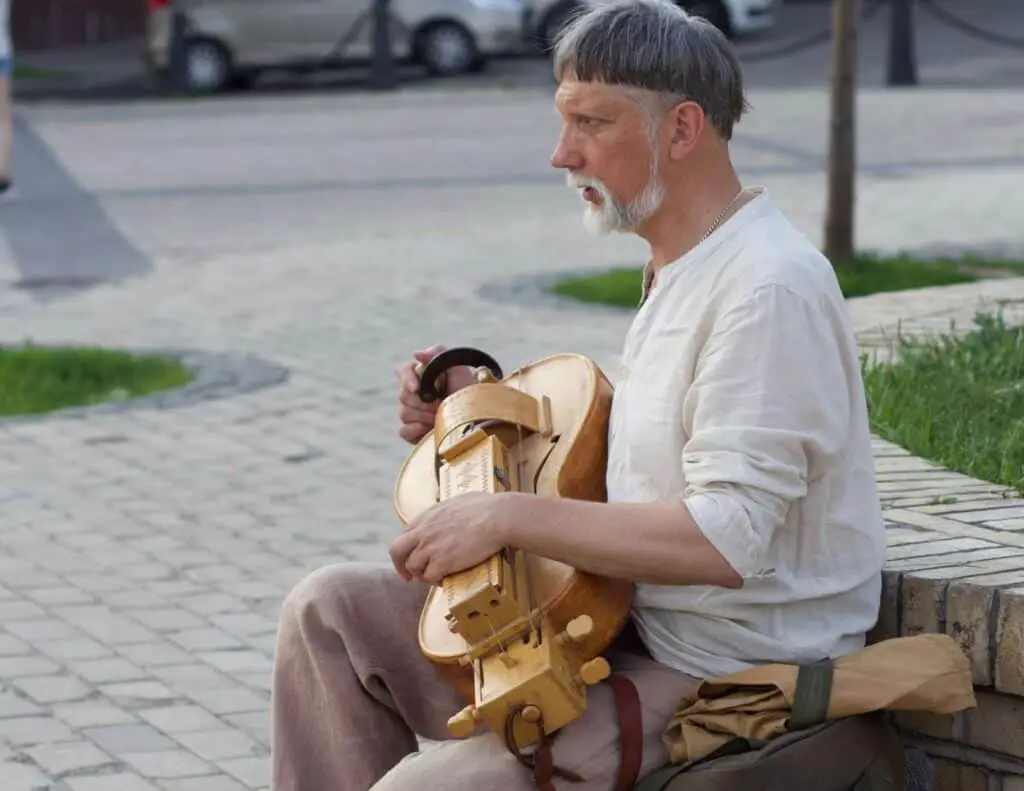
(565,155)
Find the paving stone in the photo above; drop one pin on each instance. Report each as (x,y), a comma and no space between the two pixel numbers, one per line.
(134,600)
(105,625)
(169,619)
(1004,524)
(19,609)
(212,783)
(136,693)
(177,720)
(43,629)
(168,764)
(26,731)
(121,739)
(220,744)
(90,713)
(992,514)
(237,662)
(75,648)
(14,706)
(255,723)
(930,559)
(211,604)
(255,772)
(122,781)
(941,546)
(53,689)
(259,681)
(28,665)
(230,700)
(12,646)
(107,669)
(245,623)
(64,757)
(191,677)
(153,655)
(958,506)
(208,639)
(22,777)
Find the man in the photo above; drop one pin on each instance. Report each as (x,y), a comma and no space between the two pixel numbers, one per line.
(739,453)
(6,121)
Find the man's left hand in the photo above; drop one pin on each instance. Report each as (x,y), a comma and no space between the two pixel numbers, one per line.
(452,536)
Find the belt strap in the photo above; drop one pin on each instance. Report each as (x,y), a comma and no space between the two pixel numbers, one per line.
(631,737)
(540,762)
(631,732)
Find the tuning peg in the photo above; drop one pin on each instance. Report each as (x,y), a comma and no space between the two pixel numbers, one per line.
(464,723)
(579,628)
(595,670)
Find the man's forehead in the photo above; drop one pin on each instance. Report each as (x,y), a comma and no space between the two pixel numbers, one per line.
(573,95)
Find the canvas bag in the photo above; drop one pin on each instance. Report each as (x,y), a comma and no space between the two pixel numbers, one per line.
(861,753)
(815,727)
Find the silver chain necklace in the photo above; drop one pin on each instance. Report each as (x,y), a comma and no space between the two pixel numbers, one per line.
(721,215)
(707,233)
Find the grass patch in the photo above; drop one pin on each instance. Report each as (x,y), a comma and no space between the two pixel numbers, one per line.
(33,73)
(958,402)
(867,274)
(35,380)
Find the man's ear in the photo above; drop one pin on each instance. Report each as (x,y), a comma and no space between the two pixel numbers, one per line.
(686,122)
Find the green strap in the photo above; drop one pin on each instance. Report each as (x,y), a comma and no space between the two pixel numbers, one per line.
(812,695)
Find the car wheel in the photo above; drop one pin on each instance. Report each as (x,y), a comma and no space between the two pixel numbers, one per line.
(207,66)
(446,48)
(713,11)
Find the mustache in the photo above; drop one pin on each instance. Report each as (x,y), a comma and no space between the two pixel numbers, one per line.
(577,181)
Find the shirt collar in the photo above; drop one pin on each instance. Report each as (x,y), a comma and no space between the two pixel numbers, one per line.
(648,278)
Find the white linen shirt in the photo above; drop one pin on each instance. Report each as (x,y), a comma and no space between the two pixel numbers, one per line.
(741,393)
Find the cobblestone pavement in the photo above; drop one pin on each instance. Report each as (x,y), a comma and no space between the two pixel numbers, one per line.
(145,552)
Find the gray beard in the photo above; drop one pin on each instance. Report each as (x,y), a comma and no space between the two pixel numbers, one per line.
(614,216)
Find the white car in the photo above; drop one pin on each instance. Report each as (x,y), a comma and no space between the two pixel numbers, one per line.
(230,42)
(735,18)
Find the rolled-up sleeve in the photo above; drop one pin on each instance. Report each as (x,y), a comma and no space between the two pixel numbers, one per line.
(770,402)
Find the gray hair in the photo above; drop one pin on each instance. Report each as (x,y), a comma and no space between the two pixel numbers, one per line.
(656,48)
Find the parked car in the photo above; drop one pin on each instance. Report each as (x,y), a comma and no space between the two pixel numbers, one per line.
(735,18)
(229,42)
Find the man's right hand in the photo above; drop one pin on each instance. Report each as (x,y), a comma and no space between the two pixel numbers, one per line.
(417,416)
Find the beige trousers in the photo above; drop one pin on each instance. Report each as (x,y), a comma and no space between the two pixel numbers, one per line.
(351,692)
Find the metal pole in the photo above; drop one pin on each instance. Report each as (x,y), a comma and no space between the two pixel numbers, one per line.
(384,73)
(902,67)
(177,69)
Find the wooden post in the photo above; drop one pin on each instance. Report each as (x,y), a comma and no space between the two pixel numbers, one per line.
(842,162)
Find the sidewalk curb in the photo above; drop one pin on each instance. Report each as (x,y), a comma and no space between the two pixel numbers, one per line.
(134,87)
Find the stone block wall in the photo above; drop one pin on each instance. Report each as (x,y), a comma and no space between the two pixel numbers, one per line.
(956,567)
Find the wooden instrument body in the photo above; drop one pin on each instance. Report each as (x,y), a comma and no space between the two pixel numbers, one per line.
(566,457)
